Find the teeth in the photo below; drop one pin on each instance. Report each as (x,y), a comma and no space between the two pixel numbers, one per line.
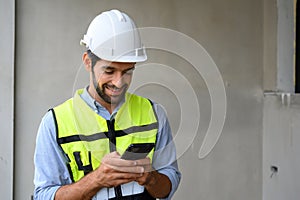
(116,89)
(113,89)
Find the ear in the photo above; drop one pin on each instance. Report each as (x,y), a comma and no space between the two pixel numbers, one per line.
(87,62)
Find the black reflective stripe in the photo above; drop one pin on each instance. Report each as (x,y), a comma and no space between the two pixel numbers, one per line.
(150,102)
(85,168)
(135,129)
(55,122)
(70,172)
(103,135)
(154,111)
(118,192)
(112,147)
(141,196)
(111,134)
(76,138)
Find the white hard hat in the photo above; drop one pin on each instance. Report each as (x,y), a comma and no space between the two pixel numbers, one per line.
(113,36)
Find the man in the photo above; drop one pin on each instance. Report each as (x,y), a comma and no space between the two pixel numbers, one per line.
(80,142)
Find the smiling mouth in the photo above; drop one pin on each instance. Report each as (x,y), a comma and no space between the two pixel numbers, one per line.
(115,91)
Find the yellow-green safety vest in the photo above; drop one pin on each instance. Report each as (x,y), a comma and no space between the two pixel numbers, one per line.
(85,137)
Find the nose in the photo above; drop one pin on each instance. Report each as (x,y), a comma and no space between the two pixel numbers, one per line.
(118,79)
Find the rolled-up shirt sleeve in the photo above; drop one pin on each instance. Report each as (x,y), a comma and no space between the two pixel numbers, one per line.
(50,163)
(165,159)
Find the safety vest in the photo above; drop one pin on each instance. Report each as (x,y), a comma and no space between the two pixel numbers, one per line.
(85,137)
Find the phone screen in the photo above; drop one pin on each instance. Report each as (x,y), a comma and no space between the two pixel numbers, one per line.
(137,151)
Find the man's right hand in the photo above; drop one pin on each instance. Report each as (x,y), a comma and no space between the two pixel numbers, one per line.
(113,171)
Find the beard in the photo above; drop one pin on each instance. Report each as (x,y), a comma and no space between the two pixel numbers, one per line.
(101,92)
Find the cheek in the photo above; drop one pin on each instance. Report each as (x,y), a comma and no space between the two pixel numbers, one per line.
(99,79)
(128,79)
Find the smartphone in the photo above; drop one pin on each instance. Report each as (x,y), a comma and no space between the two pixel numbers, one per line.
(137,151)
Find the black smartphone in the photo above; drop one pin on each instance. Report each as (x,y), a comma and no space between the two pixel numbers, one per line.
(137,151)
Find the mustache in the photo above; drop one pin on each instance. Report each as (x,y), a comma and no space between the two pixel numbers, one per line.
(113,87)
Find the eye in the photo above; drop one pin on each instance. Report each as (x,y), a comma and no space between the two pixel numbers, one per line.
(108,71)
(129,71)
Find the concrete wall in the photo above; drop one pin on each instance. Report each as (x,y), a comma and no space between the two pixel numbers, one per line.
(279,48)
(281,109)
(281,147)
(7,24)
(48,57)
(233,32)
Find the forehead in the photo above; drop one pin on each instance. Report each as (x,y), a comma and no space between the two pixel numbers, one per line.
(114,65)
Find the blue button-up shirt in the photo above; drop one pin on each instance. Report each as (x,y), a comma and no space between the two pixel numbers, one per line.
(50,162)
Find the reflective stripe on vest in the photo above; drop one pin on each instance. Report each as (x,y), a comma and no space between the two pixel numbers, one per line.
(86,137)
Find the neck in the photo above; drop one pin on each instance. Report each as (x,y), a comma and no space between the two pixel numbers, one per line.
(109,107)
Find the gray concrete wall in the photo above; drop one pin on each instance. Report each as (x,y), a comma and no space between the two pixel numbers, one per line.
(285,44)
(233,32)
(270,29)
(281,146)
(7,32)
(279,34)
(48,57)
(281,107)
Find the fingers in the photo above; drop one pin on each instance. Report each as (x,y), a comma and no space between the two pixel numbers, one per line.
(136,166)
(130,169)
(116,178)
(124,176)
(145,179)
(146,164)
(143,162)
(113,161)
(114,171)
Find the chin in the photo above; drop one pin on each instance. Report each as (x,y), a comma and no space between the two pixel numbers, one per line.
(115,101)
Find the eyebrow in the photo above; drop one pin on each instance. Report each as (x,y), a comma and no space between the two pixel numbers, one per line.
(107,67)
(113,68)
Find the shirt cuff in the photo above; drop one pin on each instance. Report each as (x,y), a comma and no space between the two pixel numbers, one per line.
(45,193)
